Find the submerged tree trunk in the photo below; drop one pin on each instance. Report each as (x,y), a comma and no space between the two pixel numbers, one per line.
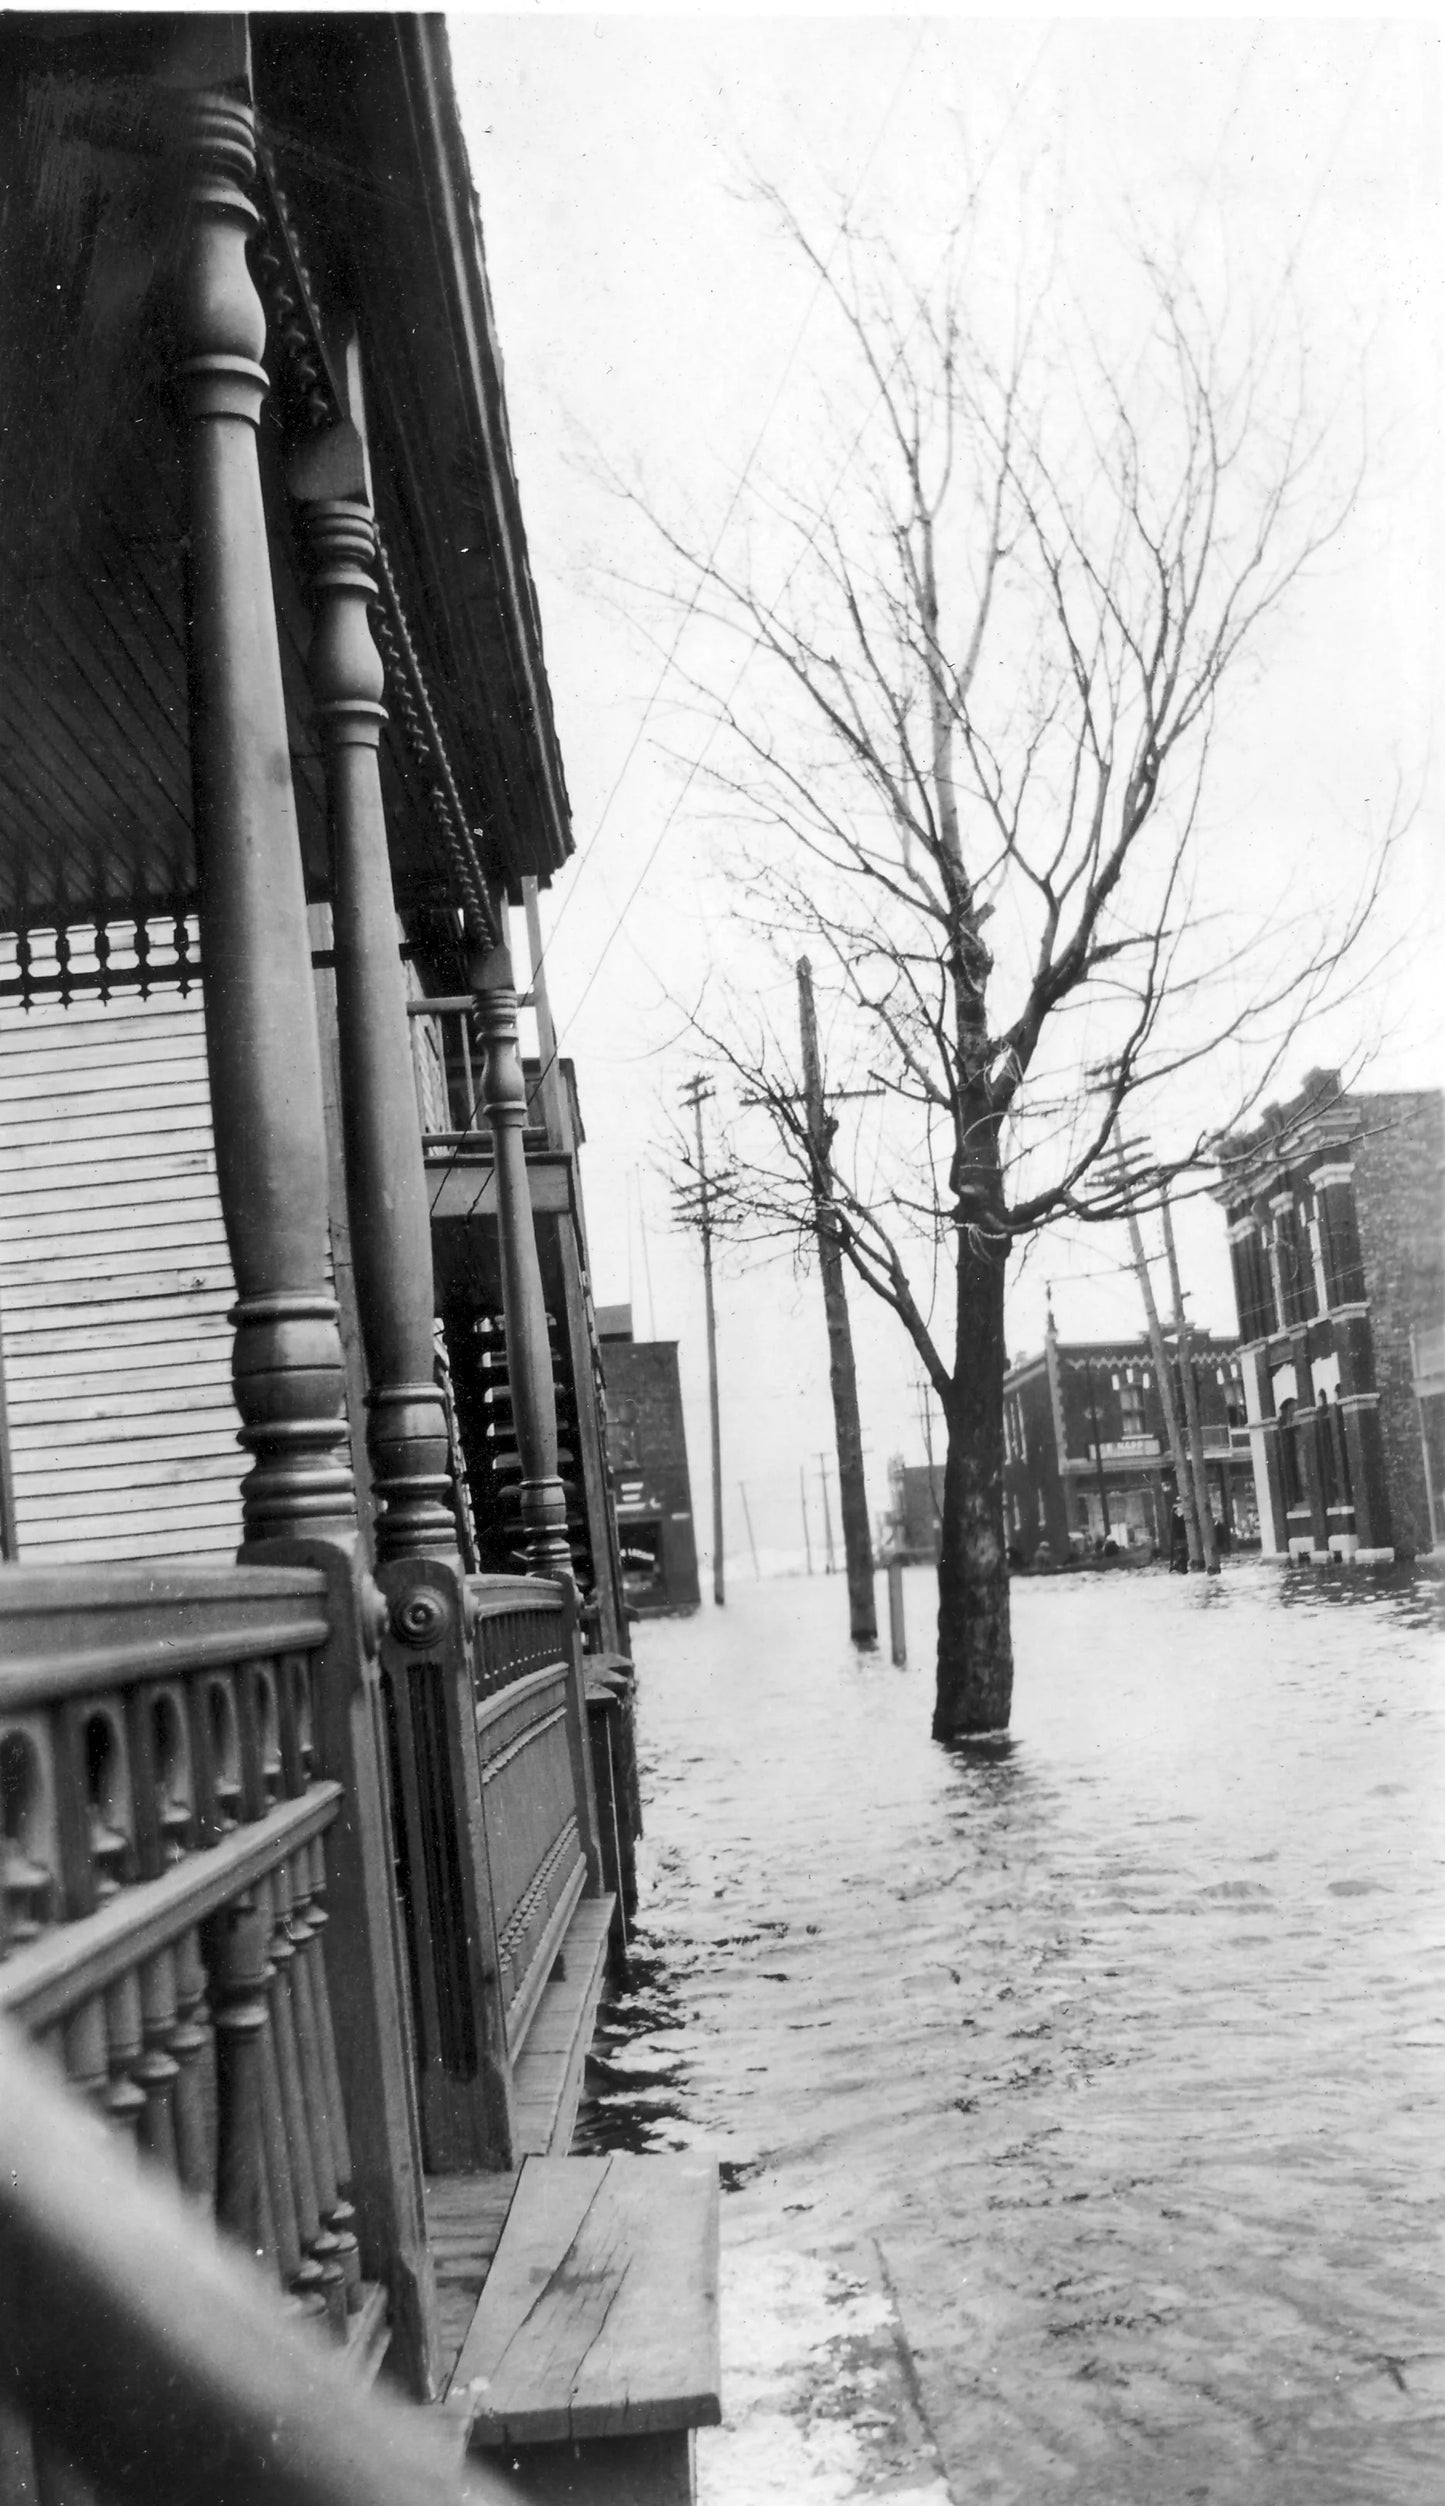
(975,1644)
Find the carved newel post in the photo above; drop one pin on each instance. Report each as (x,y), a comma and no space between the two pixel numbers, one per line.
(385,1177)
(261,1035)
(529,1355)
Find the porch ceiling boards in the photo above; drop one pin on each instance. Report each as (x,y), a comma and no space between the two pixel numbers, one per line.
(95,811)
(362,121)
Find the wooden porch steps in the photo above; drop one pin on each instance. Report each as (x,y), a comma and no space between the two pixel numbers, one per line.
(593,2351)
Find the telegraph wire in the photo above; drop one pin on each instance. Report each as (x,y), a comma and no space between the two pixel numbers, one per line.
(743,476)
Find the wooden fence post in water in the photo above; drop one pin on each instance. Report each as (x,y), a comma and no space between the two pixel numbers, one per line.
(897,1635)
(261,1033)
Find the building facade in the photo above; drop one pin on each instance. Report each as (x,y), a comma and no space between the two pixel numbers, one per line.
(911,1528)
(1334,1211)
(1086,1452)
(648,1448)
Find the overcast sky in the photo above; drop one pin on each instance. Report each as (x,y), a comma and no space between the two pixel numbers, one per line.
(652,325)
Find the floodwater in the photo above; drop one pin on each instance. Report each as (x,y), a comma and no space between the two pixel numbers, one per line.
(1077,2101)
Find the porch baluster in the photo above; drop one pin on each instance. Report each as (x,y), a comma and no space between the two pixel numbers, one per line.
(242,2195)
(310,1866)
(261,1034)
(311,2279)
(86,2061)
(124,2040)
(337,2242)
(273,2121)
(157,2071)
(191,2046)
(529,1354)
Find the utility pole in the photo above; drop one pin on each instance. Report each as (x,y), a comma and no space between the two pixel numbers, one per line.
(803,1502)
(752,1544)
(695,1095)
(842,1374)
(831,1568)
(1098,1448)
(550,1085)
(1190,1390)
(925,1412)
(1162,1366)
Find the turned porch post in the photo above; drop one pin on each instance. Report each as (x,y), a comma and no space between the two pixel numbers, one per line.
(385,1177)
(529,1355)
(261,1034)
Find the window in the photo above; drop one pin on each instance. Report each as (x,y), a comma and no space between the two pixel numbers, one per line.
(1317,1262)
(1325,1451)
(1334,1457)
(1290,1474)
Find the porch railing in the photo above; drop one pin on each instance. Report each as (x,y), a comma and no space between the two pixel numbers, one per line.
(164,1892)
(496,1830)
(449,1058)
(140,2361)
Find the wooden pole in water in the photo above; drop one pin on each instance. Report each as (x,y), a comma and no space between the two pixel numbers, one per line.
(1190,1390)
(897,1638)
(752,1544)
(695,1095)
(842,1373)
(831,1566)
(1162,1367)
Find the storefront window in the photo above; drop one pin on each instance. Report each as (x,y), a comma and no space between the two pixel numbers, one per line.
(1290,1474)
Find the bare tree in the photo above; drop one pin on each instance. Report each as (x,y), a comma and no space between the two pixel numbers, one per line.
(969,767)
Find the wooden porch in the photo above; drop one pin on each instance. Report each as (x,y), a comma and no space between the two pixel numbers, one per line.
(310,1860)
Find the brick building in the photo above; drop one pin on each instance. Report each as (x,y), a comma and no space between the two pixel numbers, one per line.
(648,1450)
(1086,1452)
(910,1528)
(1334,1212)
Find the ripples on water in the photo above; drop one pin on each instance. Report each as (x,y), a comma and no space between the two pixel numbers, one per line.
(1119,2044)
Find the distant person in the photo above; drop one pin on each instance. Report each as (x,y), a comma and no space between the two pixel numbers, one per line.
(1222,1540)
(1178,1543)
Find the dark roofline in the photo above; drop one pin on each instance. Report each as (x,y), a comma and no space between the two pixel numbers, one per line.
(363,118)
(436,115)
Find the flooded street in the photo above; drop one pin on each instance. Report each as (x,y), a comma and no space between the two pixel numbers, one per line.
(1078,2103)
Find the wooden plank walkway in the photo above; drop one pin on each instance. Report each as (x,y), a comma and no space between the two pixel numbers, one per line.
(547,2075)
(466,2213)
(465,2216)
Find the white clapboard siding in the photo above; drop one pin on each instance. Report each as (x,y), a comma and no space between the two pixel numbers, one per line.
(114,1285)
(427,1069)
